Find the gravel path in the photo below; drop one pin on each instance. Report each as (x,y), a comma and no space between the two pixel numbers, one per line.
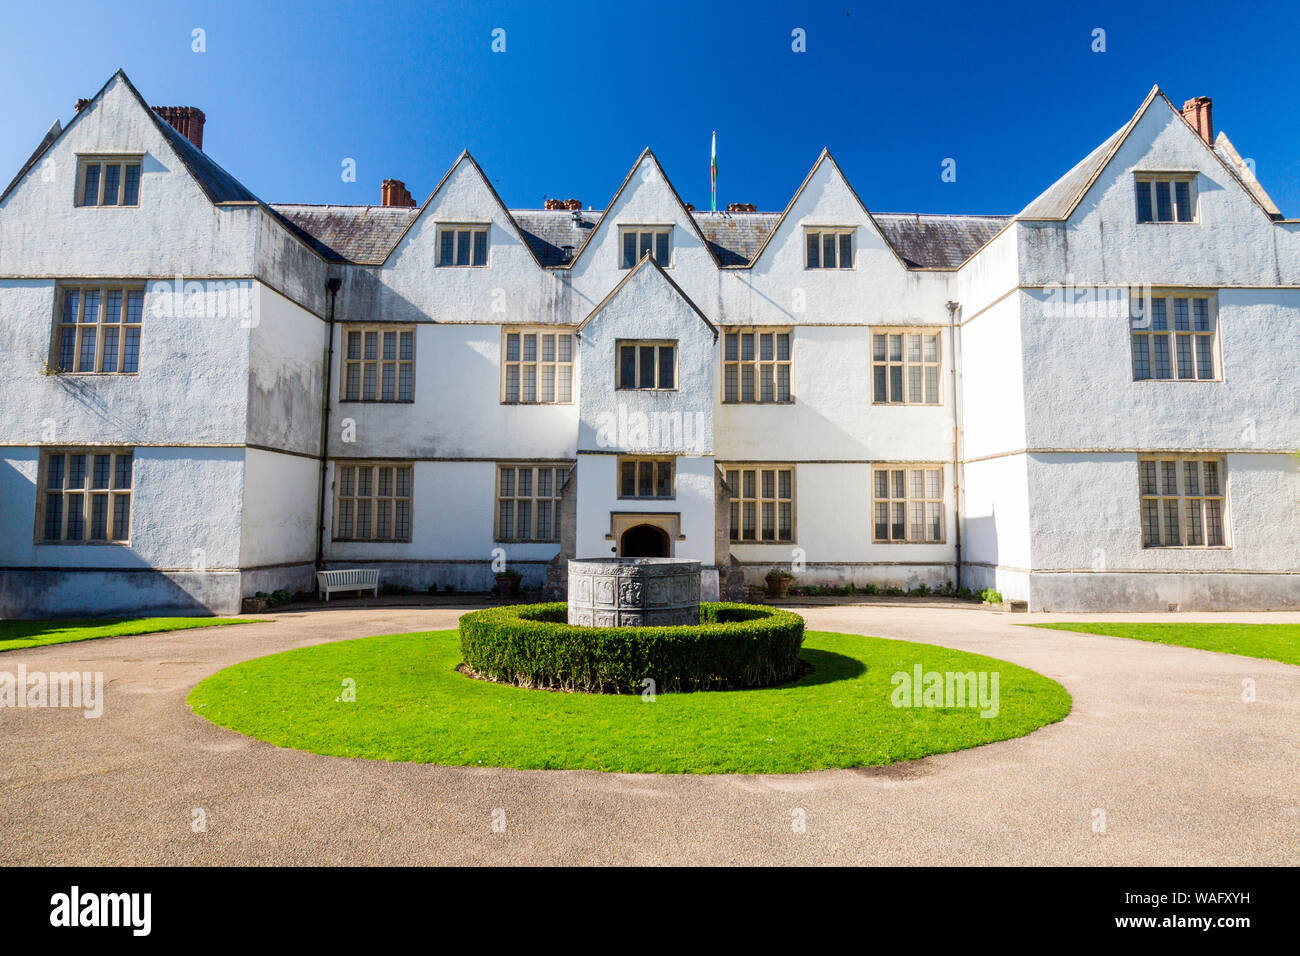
(1159,739)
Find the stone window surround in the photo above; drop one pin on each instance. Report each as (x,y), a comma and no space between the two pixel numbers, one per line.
(1146,177)
(738,499)
(1147,332)
(122,159)
(561,475)
(1183,497)
(654,230)
(121,325)
(907,500)
(111,491)
(373,499)
(656,460)
(538,362)
(455,228)
(758,363)
(839,232)
(905,362)
(638,345)
(398,363)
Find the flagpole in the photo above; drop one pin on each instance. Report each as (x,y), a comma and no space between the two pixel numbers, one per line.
(713,174)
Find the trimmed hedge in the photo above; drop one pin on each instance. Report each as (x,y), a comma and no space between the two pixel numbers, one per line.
(533,645)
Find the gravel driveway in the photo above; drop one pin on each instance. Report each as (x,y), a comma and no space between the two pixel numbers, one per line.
(1159,740)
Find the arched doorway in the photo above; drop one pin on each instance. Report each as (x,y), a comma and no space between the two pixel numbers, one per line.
(644,541)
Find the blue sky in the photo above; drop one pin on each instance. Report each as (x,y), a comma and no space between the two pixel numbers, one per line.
(1016,96)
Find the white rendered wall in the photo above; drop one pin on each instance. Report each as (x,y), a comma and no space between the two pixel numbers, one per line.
(832,417)
(279,514)
(286,369)
(598,498)
(457,411)
(647,307)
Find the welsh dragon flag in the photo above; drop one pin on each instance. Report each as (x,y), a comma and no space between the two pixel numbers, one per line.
(713,173)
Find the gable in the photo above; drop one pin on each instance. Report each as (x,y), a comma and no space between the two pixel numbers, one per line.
(824,198)
(646,197)
(1157,138)
(464,195)
(642,292)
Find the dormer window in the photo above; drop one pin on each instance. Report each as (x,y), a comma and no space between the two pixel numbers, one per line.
(640,241)
(829,248)
(1166,197)
(108,182)
(462,245)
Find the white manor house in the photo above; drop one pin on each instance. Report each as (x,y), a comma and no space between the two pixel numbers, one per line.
(1091,405)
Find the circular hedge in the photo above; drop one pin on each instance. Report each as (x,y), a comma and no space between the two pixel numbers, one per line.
(533,645)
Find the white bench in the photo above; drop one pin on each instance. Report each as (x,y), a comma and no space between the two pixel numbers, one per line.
(357,579)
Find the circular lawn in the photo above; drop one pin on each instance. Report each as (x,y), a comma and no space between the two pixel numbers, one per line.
(412,704)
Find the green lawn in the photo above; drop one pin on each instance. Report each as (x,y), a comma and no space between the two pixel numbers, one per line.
(15,635)
(1274,642)
(412,705)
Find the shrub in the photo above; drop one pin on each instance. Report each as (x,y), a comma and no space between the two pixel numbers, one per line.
(990,596)
(532,645)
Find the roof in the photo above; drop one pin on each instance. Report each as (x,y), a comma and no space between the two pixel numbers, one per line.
(1245,174)
(548,231)
(1059,200)
(51,135)
(360,234)
(937,241)
(364,234)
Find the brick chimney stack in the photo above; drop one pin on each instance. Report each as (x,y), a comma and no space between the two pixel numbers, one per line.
(393,192)
(186,120)
(1197,112)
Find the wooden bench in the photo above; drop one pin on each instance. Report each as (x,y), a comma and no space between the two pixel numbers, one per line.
(355,579)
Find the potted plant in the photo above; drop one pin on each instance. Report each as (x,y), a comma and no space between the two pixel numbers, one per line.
(778,582)
(508,582)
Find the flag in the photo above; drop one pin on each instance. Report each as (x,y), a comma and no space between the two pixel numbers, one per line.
(713,173)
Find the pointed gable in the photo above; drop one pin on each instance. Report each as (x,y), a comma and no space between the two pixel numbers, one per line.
(647,278)
(464,194)
(1063,197)
(646,196)
(825,198)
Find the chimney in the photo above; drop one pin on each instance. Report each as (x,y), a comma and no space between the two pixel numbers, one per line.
(82,103)
(690,207)
(554,204)
(187,120)
(1197,112)
(573,204)
(741,207)
(393,192)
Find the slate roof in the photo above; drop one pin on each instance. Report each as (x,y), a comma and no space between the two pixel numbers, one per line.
(365,234)
(218,184)
(1059,199)
(930,241)
(360,234)
(53,133)
(548,231)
